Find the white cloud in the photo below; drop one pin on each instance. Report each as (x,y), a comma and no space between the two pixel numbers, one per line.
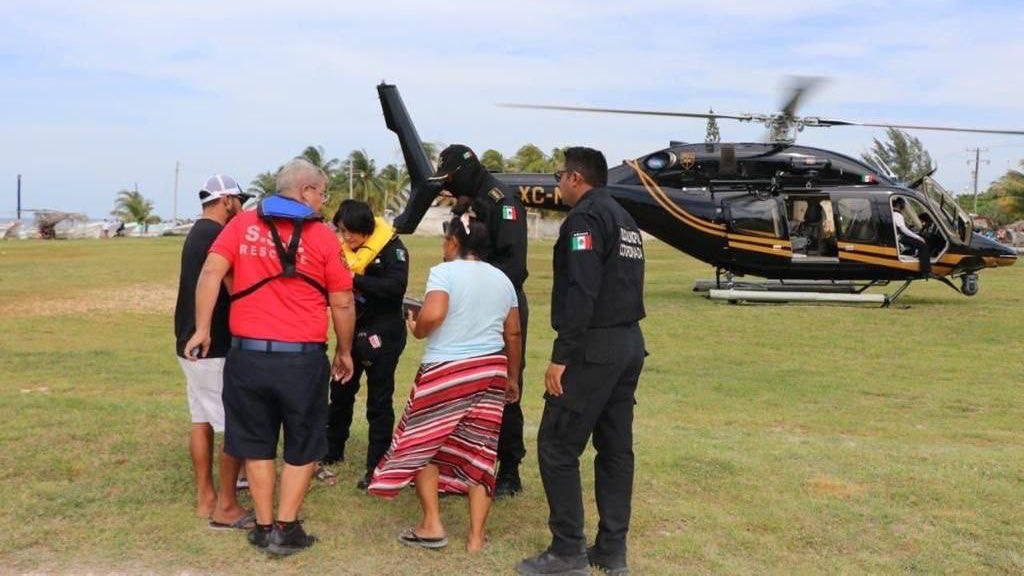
(119,91)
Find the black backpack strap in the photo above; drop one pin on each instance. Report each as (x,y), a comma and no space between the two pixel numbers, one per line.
(320,287)
(253,288)
(287,257)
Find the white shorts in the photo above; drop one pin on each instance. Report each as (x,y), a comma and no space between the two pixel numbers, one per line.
(204,381)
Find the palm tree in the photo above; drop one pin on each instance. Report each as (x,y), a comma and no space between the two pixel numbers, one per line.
(265,184)
(1009,195)
(530,158)
(493,160)
(132,206)
(393,179)
(317,157)
(363,171)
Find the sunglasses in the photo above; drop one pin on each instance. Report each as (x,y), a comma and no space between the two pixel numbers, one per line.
(558,175)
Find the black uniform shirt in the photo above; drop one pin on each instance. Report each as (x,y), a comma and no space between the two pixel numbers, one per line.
(381,288)
(505,218)
(598,273)
(193,256)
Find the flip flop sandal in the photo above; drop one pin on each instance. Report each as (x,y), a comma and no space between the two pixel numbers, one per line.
(325,475)
(246,522)
(409,538)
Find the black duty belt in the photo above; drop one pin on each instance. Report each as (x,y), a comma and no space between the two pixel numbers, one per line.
(254,345)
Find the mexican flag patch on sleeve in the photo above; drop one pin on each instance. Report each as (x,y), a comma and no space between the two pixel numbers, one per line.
(400,255)
(508,213)
(581,241)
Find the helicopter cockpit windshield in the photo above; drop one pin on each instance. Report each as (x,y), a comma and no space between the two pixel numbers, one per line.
(953,218)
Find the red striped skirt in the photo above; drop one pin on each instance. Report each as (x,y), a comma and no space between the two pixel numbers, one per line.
(452,420)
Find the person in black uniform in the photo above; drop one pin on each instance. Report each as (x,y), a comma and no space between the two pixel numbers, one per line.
(501,211)
(379,338)
(596,305)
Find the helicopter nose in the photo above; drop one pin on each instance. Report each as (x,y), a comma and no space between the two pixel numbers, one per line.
(995,253)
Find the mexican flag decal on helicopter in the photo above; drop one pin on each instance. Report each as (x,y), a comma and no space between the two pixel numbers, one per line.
(581,241)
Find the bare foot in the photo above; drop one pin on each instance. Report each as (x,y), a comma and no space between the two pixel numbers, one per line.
(474,545)
(429,531)
(205,503)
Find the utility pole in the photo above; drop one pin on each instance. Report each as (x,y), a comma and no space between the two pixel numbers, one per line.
(19,196)
(974,172)
(350,178)
(174,204)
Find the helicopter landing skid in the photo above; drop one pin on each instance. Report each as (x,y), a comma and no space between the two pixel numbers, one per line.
(817,291)
(826,286)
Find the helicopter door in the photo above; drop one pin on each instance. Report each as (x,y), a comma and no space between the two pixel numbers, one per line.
(812,229)
(921,222)
(756,226)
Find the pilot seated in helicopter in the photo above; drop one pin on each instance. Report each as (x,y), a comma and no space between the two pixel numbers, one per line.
(909,238)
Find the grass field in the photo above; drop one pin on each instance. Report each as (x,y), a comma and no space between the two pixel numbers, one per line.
(769,439)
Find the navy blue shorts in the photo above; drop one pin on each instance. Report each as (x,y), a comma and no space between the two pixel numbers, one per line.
(265,390)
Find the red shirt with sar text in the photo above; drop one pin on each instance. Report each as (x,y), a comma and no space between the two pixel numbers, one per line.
(284,309)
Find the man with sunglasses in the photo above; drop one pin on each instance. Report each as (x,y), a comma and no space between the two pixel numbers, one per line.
(598,353)
(465,178)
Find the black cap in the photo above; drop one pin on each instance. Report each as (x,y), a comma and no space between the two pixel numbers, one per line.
(453,159)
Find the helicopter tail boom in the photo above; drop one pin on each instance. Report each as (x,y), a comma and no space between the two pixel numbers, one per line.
(422,191)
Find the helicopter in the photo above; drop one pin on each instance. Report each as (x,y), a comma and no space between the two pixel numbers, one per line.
(803,218)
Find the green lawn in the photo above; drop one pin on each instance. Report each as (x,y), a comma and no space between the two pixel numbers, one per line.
(770,439)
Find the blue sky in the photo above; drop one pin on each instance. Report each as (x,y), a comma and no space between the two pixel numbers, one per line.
(103,95)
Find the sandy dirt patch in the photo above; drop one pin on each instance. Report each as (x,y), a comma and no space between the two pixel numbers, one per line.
(139,298)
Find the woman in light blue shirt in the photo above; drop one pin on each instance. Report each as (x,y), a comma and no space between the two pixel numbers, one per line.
(447,439)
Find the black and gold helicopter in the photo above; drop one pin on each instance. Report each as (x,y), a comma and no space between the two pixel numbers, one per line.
(801,217)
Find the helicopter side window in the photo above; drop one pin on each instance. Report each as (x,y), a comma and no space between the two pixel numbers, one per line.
(856,221)
(756,216)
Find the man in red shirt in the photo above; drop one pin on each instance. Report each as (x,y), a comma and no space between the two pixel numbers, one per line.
(277,372)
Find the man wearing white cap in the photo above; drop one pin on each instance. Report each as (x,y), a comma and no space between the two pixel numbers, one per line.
(222,198)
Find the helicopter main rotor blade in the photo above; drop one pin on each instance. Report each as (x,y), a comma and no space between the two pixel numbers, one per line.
(741,117)
(828,123)
(801,87)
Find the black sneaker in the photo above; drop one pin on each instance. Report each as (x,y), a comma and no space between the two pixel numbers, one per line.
(260,535)
(547,562)
(507,484)
(613,565)
(288,538)
(364,482)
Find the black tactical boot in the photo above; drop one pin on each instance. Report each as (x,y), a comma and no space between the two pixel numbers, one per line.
(609,564)
(507,483)
(548,562)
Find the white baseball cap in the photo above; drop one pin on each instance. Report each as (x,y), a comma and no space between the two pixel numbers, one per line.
(219,186)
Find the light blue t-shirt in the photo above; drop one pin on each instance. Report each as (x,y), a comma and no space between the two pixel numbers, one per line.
(479,299)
